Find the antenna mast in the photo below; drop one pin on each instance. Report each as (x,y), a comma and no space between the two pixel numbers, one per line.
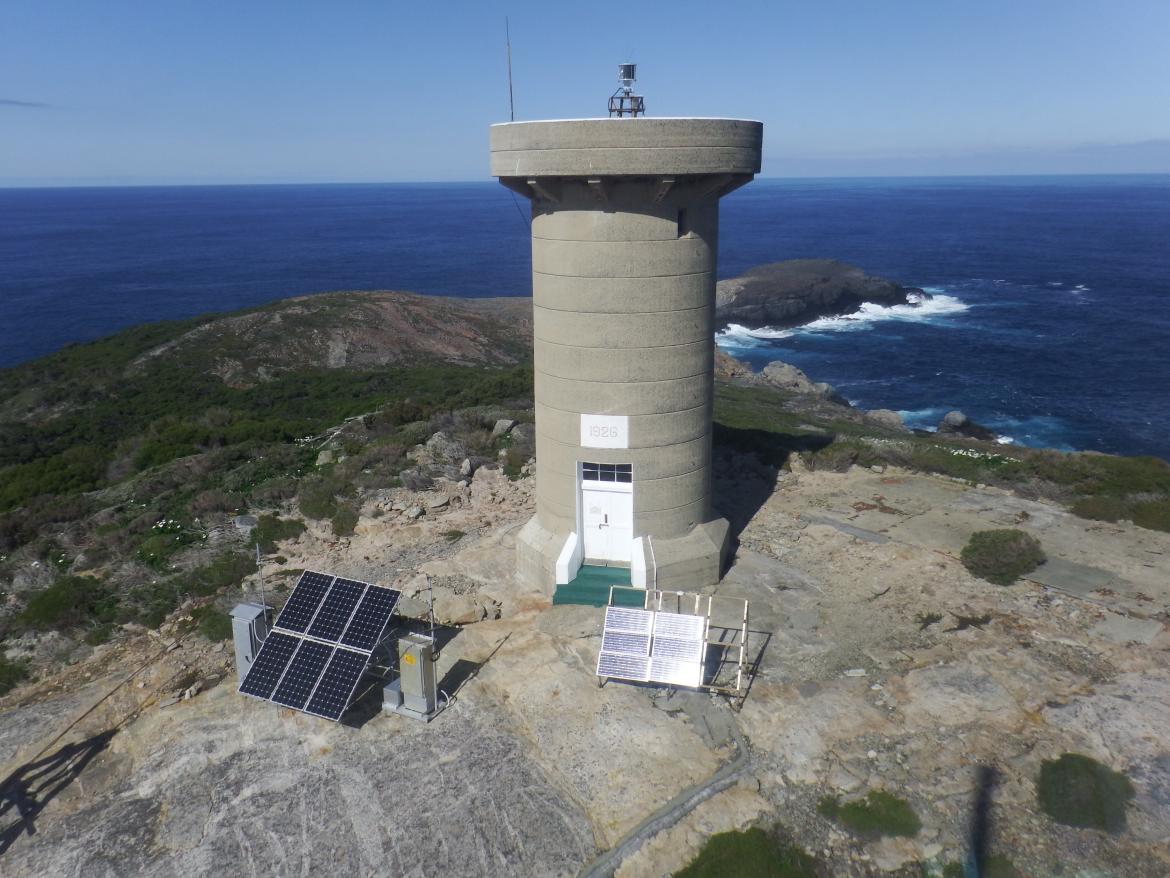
(508,40)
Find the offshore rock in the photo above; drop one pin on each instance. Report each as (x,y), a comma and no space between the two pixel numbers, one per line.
(797,291)
(958,424)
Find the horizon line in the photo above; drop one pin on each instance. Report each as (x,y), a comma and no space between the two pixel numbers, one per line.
(146,183)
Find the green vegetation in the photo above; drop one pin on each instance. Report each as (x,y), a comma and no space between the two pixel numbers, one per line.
(69,602)
(878,814)
(453,535)
(271,530)
(1098,486)
(11,674)
(751,854)
(1002,556)
(212,622)
(1077,790)
(345,519)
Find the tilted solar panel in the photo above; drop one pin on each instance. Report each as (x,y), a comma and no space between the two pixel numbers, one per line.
(303,672)
(302,604)
(370,618)
(269,665)
(337,684)
(336,609)
(625,643)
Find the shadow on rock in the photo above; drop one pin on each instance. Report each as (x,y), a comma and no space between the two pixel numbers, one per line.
(26,792)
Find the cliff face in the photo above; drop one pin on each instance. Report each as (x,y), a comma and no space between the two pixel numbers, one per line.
(797,291)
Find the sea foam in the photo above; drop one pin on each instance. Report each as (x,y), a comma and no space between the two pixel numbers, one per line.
(939,305)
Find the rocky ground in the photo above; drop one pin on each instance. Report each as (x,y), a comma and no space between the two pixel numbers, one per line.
(535,770)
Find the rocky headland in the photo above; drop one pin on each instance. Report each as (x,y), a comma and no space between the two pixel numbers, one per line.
(798,291)
(377,437)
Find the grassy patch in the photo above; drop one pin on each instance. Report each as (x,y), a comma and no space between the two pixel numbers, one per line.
(1002,556)
(1077,790)
(11,674)
(67,603)
(750,854)
(271,530)
(213,623)
(878,814)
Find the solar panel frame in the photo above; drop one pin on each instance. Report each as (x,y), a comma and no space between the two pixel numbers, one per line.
(680,626)
(629,619)
(269,665)
(303,672)
(623,667)
(335,688)
(370,618)
(302,605)
(675,672)
(625,642)
(337,609)
(683,650)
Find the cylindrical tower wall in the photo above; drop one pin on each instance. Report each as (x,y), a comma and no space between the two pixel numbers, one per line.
(625,218)
(623,298)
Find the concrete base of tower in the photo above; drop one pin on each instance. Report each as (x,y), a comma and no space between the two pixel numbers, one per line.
(690,562)
(537,550)
(686,563)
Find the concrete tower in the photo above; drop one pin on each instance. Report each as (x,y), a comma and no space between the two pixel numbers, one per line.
(625,220)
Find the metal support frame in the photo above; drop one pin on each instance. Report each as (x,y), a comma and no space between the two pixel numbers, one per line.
(693,604)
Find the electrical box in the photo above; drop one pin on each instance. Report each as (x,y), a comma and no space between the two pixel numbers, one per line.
(249,629)
(414,693)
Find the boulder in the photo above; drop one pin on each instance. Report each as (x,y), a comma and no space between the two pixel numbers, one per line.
(958,424)
(891,420)
(789,378)
(503,427)
(442,447)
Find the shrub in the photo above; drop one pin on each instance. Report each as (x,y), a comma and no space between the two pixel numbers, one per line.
(1079,791)
(1002,556)
(879,813)
(213,623)
(317,498)
(229,569)
(344,520)
(68,602)
(750,854)
(11,673)
(270,530)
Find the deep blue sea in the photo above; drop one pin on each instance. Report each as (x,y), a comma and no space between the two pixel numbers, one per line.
(1050,322)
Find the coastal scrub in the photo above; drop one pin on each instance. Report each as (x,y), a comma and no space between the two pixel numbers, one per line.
(1002,556)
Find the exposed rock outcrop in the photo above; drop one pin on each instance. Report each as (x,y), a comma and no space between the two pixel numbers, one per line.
(797,291)
(958,424)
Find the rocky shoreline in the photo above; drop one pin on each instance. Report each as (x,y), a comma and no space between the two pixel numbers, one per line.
(782,295)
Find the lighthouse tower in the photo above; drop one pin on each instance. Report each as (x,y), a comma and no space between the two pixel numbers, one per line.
(625,221)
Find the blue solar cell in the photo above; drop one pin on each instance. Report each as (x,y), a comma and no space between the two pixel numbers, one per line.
(303,672)
(302,604)
(269,665)
(370,618)
(337,684)
(336,609)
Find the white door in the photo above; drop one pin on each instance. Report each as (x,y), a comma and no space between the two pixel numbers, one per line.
(607,520)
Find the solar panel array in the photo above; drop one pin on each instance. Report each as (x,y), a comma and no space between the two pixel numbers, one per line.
(652,647)
(320,644)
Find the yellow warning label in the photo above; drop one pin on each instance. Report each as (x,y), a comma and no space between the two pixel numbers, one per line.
(408,659)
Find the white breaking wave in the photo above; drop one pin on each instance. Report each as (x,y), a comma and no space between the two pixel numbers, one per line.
(938,305)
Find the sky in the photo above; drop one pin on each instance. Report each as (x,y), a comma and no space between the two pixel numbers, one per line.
(211,92)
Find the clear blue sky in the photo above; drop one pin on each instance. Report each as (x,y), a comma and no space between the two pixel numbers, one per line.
(361,91)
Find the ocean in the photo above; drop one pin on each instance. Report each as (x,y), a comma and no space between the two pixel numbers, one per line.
(1050,321)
